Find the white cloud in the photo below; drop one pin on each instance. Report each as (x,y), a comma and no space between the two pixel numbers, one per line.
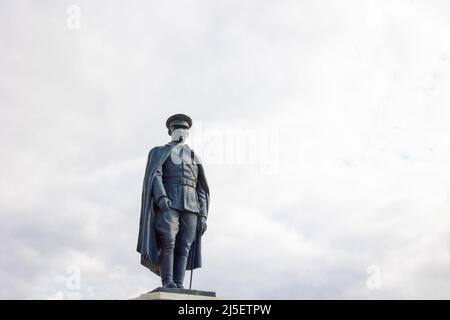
(357,92)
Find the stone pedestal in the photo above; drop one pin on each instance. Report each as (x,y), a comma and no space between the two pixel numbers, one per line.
(177,294)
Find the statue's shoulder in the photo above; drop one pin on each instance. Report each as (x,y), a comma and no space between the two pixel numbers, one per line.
(158,149)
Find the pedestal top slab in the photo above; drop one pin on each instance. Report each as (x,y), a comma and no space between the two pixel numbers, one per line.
(161,293)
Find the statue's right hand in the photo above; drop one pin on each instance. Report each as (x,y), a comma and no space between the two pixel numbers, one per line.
(164,203)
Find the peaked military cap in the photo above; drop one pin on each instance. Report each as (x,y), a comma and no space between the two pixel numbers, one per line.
(179,119)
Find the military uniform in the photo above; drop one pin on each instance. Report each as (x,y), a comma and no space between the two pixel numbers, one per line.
(176,227)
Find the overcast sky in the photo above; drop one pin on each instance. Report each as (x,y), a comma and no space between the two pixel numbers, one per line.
(323,127)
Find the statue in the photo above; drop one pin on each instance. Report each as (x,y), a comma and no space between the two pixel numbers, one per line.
(174,208)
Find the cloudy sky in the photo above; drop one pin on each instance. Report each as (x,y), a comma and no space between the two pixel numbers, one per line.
(322,125)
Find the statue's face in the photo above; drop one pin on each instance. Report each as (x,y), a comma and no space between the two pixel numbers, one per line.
(179,134)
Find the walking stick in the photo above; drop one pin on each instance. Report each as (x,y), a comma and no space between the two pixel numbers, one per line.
(193,257)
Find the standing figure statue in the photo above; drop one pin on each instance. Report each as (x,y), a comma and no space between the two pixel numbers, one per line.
(174,208)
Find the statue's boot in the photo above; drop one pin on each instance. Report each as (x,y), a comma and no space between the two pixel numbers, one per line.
(166,269)
(179,270)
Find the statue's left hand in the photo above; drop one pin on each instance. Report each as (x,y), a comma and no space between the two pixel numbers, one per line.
(202,226)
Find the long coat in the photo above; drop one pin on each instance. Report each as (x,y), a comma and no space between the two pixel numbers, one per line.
(148,244)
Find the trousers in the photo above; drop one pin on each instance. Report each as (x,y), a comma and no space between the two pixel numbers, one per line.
(176,230)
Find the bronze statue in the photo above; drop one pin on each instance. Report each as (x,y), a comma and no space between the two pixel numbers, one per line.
(174,208)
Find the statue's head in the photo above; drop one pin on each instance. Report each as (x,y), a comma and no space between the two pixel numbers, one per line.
(178,127)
